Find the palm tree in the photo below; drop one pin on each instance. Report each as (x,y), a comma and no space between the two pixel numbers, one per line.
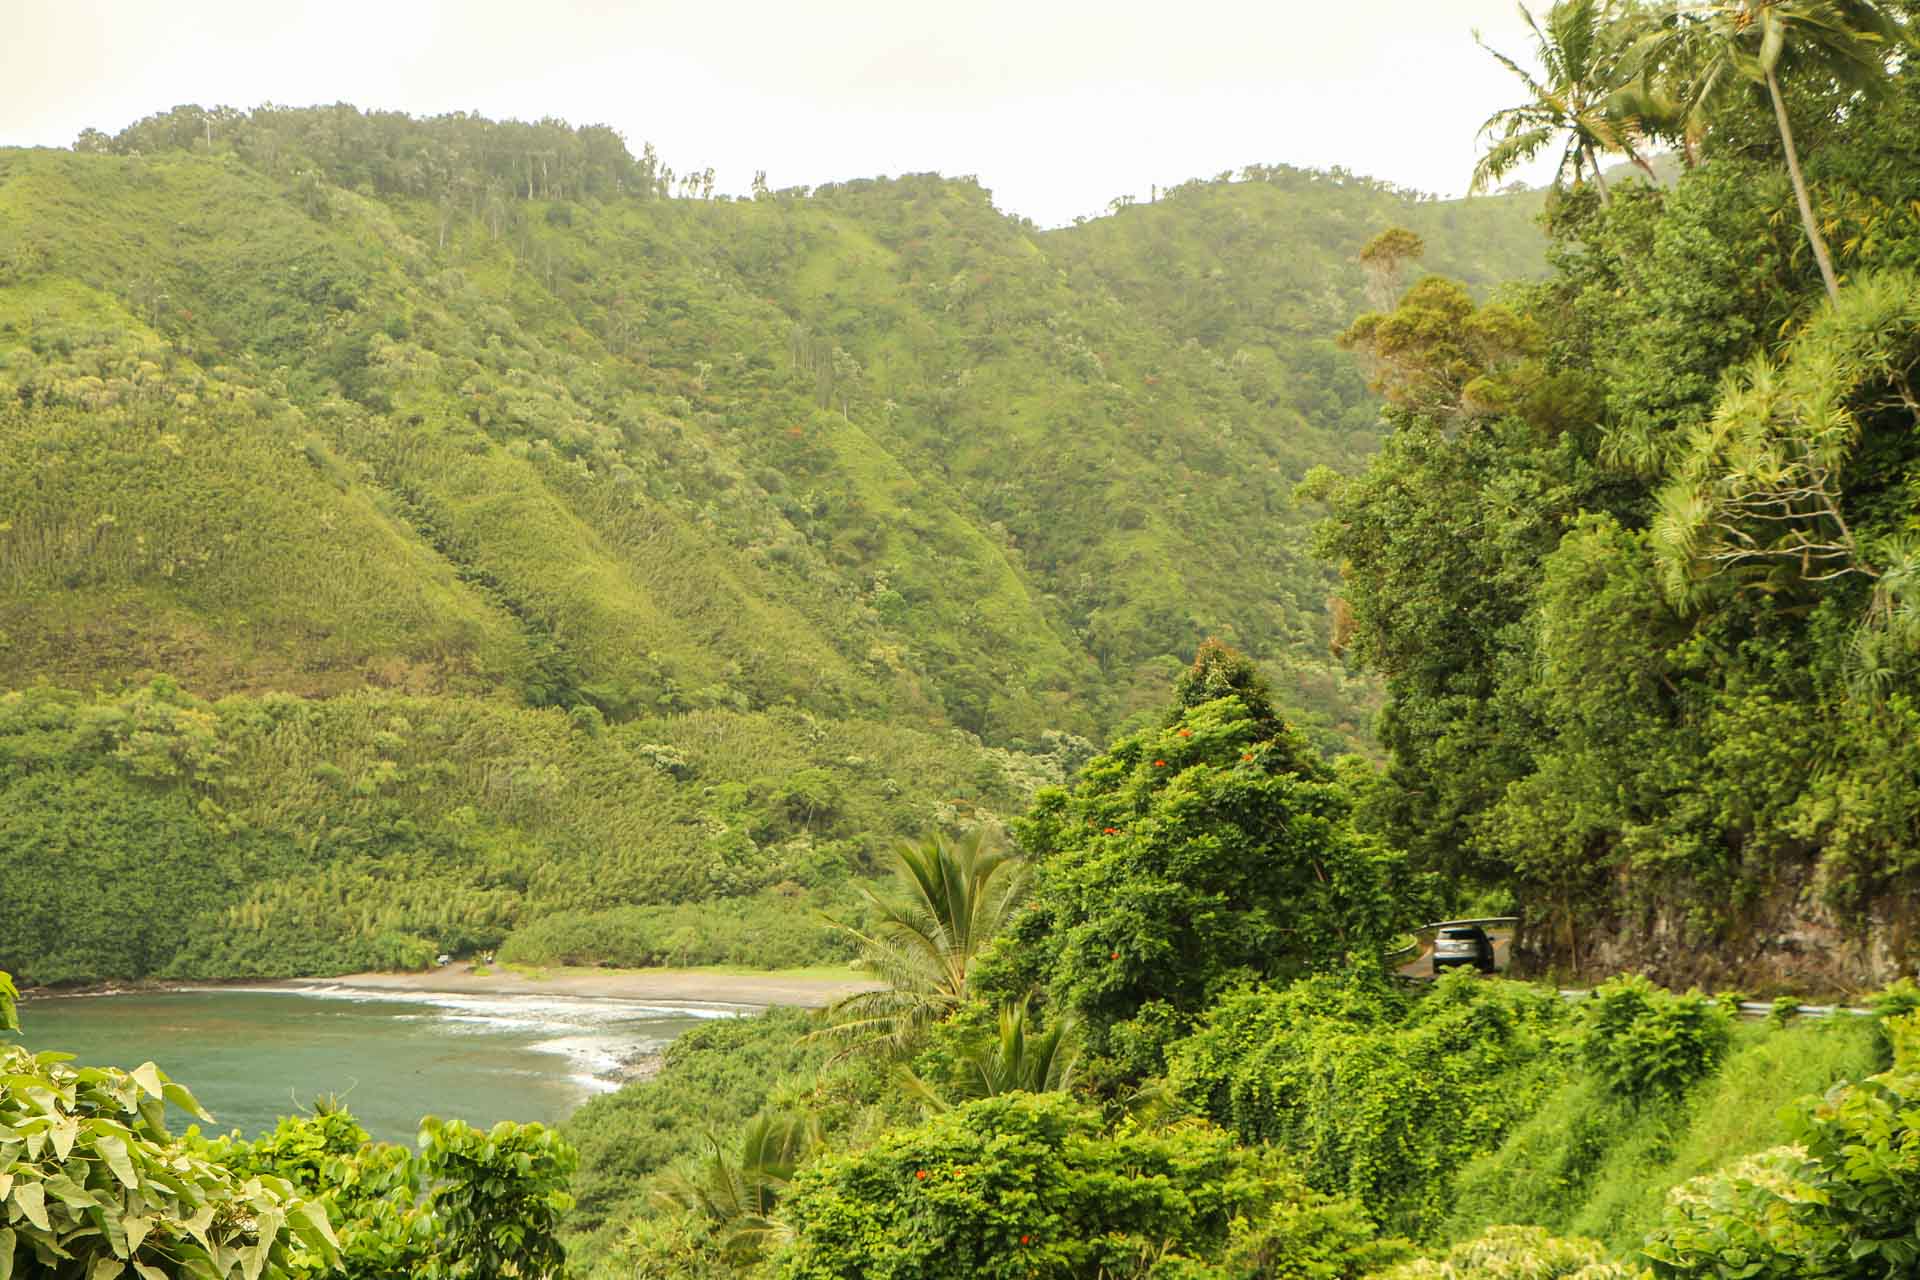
(735,1193)
(1733,44)
(955,895)
(1018,1060)
(1581,50)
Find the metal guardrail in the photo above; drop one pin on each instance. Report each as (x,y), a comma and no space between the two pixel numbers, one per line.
(1755,1010)
(1482,921)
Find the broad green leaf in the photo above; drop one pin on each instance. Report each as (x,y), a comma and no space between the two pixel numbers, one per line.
(181,1097)
(314,1215)
(253,1259)
(147,1076)
(115,1153)
(63,1132)
(71,1193)
(33,1203)
(7,1242)
(197,1225)
(116,1232)
(106,1269)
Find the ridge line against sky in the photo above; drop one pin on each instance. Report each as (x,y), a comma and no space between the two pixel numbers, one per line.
(1056,105)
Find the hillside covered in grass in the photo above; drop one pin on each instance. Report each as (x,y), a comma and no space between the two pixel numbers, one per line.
(505,522)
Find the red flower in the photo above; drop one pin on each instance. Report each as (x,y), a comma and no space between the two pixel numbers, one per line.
(1111,831)
(1114,956)
(1247,756)
(921,1174)
(1026,1239)
(1186,733)
(1159,764)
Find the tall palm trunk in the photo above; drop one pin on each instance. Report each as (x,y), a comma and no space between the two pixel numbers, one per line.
(1814,238)
(1593,162)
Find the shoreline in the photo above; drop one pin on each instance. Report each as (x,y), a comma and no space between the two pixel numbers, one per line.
(799,989)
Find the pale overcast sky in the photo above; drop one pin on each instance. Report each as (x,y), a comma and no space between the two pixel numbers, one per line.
(1058,105)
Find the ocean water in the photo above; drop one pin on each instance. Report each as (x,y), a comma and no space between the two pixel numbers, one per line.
(255,1054)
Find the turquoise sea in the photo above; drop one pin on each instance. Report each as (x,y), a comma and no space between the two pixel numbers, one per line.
(254,1054)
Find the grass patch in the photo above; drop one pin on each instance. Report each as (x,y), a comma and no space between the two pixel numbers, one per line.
(1588,1163)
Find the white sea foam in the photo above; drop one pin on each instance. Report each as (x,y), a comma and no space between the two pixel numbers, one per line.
(596,1055)
(597,1036)
(560,1012)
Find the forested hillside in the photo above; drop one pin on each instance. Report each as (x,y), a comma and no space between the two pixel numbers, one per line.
(707,543)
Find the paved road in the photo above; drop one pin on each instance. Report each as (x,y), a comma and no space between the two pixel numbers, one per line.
(1421,966)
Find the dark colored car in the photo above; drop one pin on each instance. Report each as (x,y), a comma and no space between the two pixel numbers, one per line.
(1463,944)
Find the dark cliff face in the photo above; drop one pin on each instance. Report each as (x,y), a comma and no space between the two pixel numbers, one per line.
(1791,940)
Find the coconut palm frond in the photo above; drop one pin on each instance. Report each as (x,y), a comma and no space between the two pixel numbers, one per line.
(953,897)
(1581,49)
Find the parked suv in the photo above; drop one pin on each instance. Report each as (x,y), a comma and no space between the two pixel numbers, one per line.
(1463,944)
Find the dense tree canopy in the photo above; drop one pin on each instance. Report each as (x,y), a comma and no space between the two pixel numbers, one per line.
(1644,617)
(1209,849)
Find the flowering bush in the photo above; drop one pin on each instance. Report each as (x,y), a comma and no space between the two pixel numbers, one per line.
(1036,1184)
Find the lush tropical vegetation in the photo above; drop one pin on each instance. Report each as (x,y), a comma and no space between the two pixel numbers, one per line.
(446,534)
(1323,1119)
(434,535)
(1635,561)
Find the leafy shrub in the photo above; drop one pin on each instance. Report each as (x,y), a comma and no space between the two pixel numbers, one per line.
(1309,1238)
(1516,1253)
(1645,1040)
(97,1184)
(467,1204)
(674,1246)
(1899,997)
(1739,1221)
(498,1195)
(1030,1184)
(1379,1095)
(371,1190)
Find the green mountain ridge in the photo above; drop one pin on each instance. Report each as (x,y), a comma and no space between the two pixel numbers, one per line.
(360,406)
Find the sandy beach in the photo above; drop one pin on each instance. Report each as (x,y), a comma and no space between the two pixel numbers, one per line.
(680,986)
